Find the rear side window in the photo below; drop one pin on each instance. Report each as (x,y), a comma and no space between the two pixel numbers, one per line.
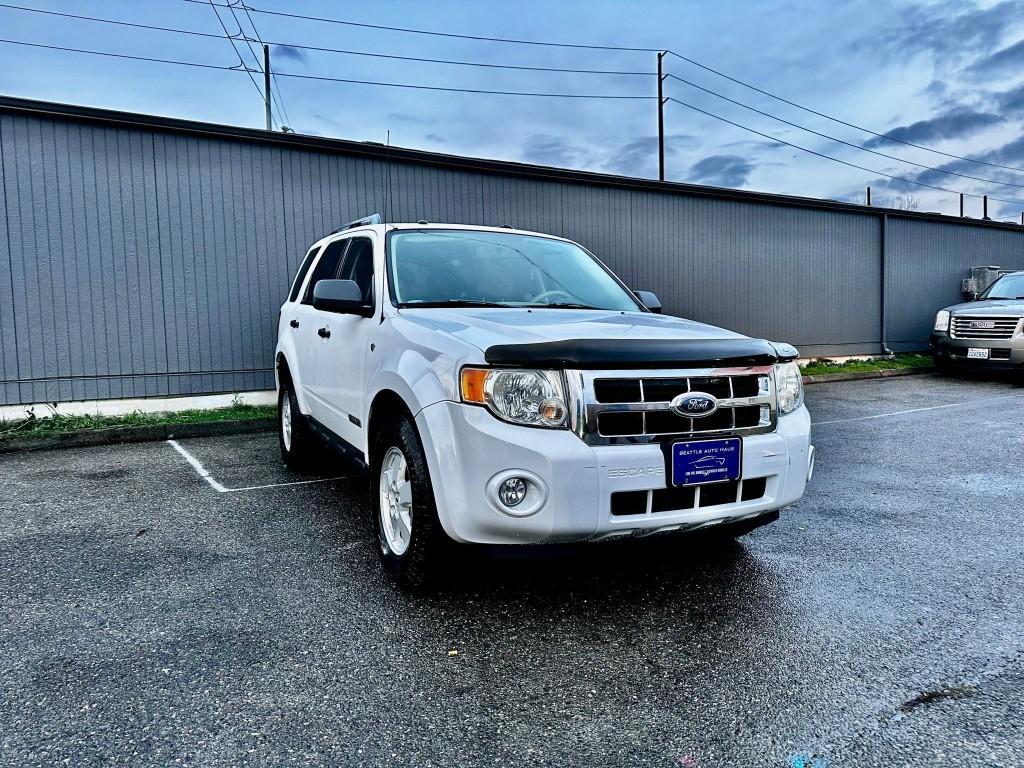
(359,267)
(303,269)
(326,267)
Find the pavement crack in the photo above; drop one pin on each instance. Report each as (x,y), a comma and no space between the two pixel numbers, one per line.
(937,694)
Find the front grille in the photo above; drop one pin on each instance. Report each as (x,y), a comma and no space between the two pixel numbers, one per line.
(983,327)
(677,499)
(633,406)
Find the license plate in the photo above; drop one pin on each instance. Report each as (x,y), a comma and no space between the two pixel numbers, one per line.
(975,353)
(695,462)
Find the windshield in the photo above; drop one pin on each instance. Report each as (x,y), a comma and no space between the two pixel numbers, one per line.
(1006,287)
(476,268)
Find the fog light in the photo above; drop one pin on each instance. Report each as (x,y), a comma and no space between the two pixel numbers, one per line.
(512,491)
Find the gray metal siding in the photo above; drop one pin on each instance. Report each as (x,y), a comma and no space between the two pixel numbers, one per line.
(141,262)
(925,265)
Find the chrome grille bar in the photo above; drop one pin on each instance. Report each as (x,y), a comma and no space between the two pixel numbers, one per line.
(586,410)
(1002,326)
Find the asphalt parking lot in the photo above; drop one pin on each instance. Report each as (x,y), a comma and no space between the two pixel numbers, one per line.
(148,617)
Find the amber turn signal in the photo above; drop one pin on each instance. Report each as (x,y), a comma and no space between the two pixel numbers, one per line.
(473,384)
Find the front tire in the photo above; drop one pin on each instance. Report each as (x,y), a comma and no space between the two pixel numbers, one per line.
(293,434)
(409,535)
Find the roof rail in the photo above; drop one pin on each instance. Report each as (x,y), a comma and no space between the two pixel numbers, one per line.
(373,218)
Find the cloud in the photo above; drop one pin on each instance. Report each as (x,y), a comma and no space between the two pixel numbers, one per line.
(954,124)
(1012,101)
(403,117)
(754,145)
(943,29)
(544,149)
(639,157)
(437,138)
(721,171)
(291,53)
(1010,154)
(1009,59)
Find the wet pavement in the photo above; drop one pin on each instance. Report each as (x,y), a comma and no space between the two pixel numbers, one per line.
(147,618)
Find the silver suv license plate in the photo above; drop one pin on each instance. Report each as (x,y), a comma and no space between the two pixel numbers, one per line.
(977,353)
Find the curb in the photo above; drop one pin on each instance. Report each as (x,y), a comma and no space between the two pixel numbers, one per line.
(886,373)
(142,434)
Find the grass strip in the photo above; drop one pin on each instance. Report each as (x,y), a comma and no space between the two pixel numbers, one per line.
(61,424)
(906,360)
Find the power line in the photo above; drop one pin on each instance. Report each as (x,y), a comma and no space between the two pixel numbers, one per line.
(227,36)
(273,75)
(232,5)
(256,57)
(611,96)
(462,63)
(324,49)
(635,49)
(442,34)
(885,136)
(836,159)
(841,141)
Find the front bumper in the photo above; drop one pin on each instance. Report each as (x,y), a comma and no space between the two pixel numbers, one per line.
(467,449)
(1003,353)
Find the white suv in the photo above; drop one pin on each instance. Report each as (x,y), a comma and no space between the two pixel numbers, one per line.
(506,387)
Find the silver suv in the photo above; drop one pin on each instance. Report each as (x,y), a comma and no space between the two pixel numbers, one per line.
(988,331)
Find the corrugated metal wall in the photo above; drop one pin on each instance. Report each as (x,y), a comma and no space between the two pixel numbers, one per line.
(920,250)
(138,261)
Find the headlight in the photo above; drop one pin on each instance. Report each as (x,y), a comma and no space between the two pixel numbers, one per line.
(942,320)
(527,397)
(789,387)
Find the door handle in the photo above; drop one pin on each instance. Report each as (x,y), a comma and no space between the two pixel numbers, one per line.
(294,323)
(325,333)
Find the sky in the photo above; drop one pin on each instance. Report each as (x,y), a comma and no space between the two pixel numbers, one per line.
(945,75)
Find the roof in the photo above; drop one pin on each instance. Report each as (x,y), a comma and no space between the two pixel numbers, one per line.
(58,111)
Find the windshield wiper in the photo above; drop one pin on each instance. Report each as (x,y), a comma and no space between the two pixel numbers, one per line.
(453,303)
(562,305)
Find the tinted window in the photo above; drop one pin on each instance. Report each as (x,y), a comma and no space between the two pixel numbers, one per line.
(359,267)
(326,268)
(303,269)
(440,267)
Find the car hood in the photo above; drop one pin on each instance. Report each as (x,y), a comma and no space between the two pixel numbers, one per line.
(485,327)
(989,307)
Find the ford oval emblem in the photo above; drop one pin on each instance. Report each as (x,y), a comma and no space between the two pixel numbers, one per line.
(694,405)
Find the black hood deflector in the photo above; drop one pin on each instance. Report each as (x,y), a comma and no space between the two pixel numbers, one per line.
(640,353)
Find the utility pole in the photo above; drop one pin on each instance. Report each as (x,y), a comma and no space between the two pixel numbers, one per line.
(868,196)
(266,84)
(661,119)
(961,205)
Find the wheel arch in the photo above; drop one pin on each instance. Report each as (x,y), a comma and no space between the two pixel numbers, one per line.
(386,405)
(286,373)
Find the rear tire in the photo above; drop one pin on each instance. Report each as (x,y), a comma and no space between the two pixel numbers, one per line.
(408,533)
(293,435)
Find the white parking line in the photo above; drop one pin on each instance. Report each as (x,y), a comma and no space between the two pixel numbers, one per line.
(204,473)
(914,410)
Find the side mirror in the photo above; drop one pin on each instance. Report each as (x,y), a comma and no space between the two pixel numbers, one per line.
(970,295)
(649,300)
(341,296)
